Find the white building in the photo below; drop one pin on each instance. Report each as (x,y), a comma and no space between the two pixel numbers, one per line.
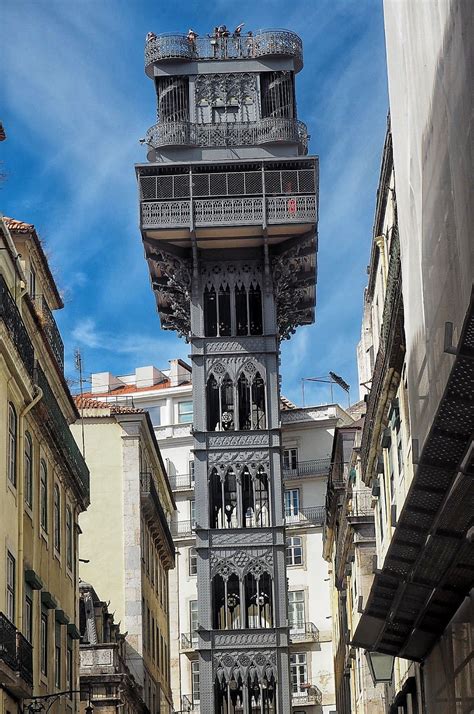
(307,443)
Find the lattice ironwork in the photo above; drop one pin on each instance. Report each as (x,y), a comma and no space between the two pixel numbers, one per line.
(50,329)
(267,131)
(265,43)
(10,315)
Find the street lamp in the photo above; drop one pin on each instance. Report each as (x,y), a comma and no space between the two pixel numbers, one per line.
(380,666)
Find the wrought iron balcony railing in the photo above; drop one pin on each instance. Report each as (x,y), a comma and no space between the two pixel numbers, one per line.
(50,328)
(361,503)
(314,516)
(304,632)
(61,434)
(148,489)
(10,315)
(312,695)
(306,469)
(15,650)
(264,43)
(228,211)
(189,705)
(183,529)
(181,482)
(266,131)
(189,640)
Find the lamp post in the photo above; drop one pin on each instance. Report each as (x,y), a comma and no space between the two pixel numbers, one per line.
(44,702)
(380,666)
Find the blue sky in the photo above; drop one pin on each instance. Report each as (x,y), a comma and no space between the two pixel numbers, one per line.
(75,101)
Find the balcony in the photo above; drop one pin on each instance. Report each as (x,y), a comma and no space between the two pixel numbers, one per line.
(260,133)
(99,659)
(181,482)
(11,318)
(50,329)
(314,516)
(16,659)
(306,469)
(304,632)
(183,529)
(188,705)
(265,43)
(360,504)
(311,696)
(188,641)
(58,428)
(228,211)
(156,516)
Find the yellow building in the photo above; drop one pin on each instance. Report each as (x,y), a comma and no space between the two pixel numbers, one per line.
(44,485)
(126,544)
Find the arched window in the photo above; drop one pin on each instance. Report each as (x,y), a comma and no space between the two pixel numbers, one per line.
(220,404)
(210,312)
(239,501)
(226,602)
(255,310)
(69,538)
(43,496)
(244,396)
(224,500)
(258,601)
(251,401)
(57,518)
(241,310)
(28,470)
(258,403)
(12,443)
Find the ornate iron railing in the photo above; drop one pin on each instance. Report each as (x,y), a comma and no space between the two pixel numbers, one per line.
(61,433)
(24,658)
(314,516)
(307,469)
(361,503)
(148,488)
(182,529)
(50,328)
(313,695)
(266,131)
(227,211)
(13,321)
(15,650)
(305,632)
(265,43)
(189,640)
(181,482)
(7,641)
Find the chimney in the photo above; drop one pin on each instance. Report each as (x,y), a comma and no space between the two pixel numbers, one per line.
(104,382)
(148,376)
(178,373)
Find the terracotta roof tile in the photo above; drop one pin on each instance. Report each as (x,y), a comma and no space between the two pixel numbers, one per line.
(85,402)
(132,389)
(286,405)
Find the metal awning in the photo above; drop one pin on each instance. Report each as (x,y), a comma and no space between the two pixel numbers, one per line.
(429,566)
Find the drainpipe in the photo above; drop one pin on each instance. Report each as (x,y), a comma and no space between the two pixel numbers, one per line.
(21,503)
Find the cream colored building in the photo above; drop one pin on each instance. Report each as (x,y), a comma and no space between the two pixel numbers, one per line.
(44,483)
(307,442)
(126,548)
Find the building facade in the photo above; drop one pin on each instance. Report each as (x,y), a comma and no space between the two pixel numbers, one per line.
(131,557)
(416,444)
(306,442)
(44,482)
(106,681)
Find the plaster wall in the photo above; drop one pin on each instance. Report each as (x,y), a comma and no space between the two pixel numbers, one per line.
(430,59)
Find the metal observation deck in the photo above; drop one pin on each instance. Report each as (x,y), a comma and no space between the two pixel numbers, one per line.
(264,43)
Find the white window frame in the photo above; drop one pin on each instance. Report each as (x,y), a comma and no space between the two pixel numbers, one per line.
(290,458)
(195,685)
(12,443)
(28,470)
(292,504)
(192,562)
(298,672)
(291,547)
(297,608)
(10,587)
(183,415)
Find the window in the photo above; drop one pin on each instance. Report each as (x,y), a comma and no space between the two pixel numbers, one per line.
(28,470)
(195,682)
(290,459)
(43,496)
(294,550)
(185,412)
(28,625)
(57,655)
(10,587)
(69,537)
(44,641)
(191,471)
(192,513)
(32,282)
(298,673)
(193,620)
(155,415)
(57,518)
(12,439)
(69,663)
(292,504)
(296,614)
(192,561)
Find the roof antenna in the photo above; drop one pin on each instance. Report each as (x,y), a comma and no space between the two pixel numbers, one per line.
(78,366)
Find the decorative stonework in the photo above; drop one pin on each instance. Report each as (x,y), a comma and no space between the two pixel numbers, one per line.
(249,344)
(229,663)
(229,458)
(233,89)
(234,367)
(171,280)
